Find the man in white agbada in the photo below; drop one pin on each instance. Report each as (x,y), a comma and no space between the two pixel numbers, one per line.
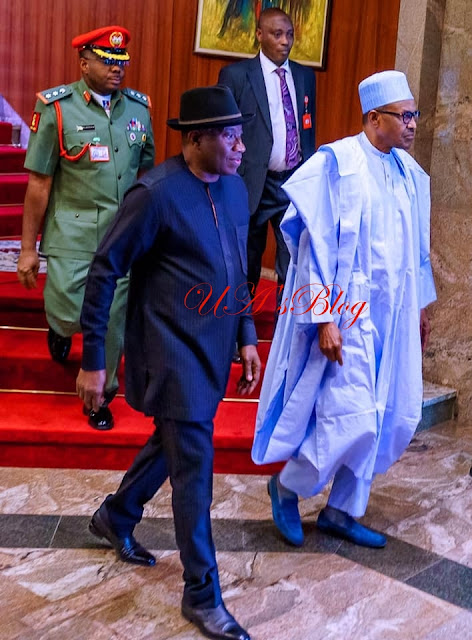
(342,392)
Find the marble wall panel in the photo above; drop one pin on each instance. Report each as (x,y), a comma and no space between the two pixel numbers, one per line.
(437,55)
(450,355)
(430,61)
(410,41)
(419,48)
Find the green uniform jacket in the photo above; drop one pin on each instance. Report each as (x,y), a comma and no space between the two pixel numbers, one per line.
(85,195)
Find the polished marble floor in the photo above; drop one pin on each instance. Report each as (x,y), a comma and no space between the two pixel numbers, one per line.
(58,582)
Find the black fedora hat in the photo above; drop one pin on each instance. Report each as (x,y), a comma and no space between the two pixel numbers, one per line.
(206,107)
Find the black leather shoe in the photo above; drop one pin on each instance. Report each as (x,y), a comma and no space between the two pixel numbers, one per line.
(101,419)
(59,347)
(128,548)
(215,623)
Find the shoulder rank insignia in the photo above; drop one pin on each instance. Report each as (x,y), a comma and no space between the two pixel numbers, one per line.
(56,93)
(138,96)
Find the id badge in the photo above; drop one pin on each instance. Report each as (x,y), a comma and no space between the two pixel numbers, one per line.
(307,121)
(99,153)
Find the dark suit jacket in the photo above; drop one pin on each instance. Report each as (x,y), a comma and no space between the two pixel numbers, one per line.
(177,347)
(246,81)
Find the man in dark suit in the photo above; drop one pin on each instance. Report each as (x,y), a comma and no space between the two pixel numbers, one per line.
(182,230)
(258,87)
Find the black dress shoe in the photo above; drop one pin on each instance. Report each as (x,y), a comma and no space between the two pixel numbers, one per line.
(102,420)
(59,347)
(215,623)
(127,548)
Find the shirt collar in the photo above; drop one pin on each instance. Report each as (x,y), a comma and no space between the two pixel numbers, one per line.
(368,146)
(85,89)
(268,66)
(99,98)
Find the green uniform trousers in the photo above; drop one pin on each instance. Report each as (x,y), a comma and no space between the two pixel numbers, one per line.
(63,298)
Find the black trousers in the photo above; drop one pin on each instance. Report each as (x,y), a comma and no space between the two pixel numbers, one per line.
(184,452)
(272,207)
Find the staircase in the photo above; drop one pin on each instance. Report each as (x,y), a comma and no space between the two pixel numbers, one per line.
(13,180)
(41,421)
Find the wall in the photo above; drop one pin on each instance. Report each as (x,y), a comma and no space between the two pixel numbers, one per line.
(35,54)
(450,356)
(442,65)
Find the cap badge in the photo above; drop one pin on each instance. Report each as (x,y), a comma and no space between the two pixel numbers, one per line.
(116,39)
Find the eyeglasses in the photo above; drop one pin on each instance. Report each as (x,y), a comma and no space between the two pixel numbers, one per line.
(406,116)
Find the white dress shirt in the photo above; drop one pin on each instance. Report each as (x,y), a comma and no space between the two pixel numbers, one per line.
(276,109)
(103,101)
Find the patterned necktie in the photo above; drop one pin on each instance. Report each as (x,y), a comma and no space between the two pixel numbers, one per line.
(291,148)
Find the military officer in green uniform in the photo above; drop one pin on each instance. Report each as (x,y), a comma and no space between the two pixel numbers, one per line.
(89,142)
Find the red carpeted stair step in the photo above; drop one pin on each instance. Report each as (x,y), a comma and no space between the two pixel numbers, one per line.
(14,297)
(236,372)
(23,318)
(11,217)
(27,364)
(12,159)
(48,429)
(39,430)
(13,187)
(20,307)
(6,132)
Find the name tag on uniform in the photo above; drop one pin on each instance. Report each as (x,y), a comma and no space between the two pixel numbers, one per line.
(99,153)
(307,120)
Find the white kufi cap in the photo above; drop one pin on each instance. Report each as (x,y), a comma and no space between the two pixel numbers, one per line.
(383,88)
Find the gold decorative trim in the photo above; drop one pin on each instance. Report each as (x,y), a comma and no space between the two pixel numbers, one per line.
(48,392)
(110,56)
(5,326)
(241,400)
(39,392)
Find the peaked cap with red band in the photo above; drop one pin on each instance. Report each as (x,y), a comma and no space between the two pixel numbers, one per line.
(106,42)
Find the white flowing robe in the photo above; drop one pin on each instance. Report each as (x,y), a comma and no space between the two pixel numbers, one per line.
(363,414)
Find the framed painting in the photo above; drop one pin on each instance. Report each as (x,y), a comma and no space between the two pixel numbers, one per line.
(228,28)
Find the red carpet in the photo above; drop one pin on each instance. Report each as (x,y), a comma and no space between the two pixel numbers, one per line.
(18,307)
(13,188)
(41,420)
(47,429)
(10,219)
(26,364)
(41,423)
(55,434)
(12,159)
(6,131)
(13,181)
